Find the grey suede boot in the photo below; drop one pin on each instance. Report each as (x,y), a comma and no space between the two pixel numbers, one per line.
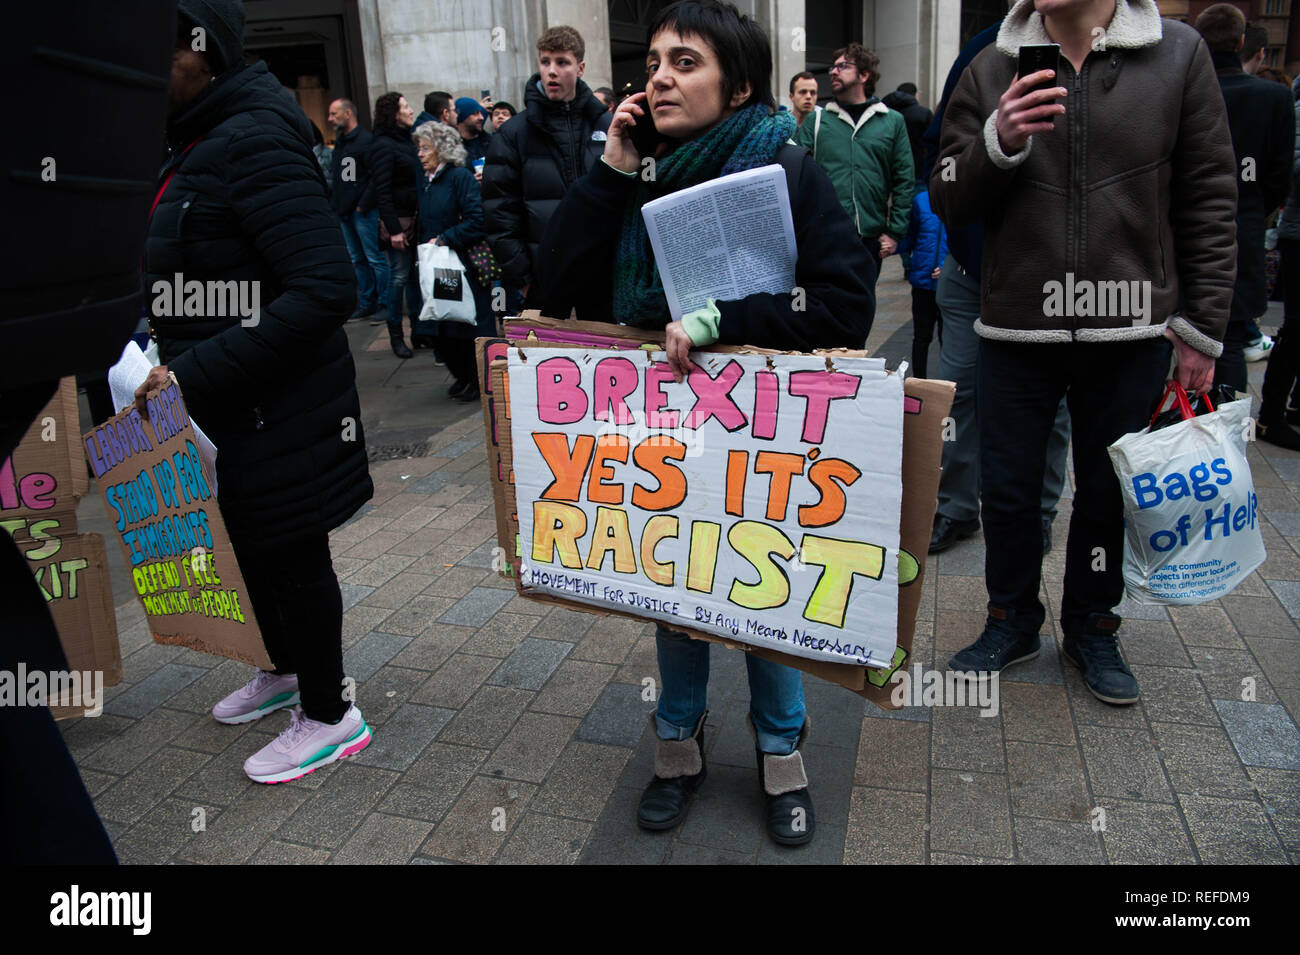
(679,770)
(790,818)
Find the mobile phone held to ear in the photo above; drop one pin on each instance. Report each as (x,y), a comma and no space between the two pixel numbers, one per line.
(1044,56)
(645,137)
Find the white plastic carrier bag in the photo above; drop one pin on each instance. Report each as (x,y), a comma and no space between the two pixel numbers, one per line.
(445,284)
(1191,517)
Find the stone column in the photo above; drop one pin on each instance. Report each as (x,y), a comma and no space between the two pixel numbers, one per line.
(591,19)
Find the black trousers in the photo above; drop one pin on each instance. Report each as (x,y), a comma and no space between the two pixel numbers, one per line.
(925,320)
(1111,389)
(299,609)
(1284,360)
(872,246)
(1230,367)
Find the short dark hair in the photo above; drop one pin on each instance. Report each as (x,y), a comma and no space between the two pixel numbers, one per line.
(502,104)
(744,54)
(436,102)
(1222,25)
(864,61)
(1256,40)
(908,88)
(805,75)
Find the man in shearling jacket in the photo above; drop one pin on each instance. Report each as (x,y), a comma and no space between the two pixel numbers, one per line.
(1102,247)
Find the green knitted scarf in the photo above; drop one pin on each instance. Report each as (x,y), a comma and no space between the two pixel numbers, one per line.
(747,139)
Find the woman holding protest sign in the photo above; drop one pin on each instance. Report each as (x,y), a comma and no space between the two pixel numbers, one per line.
(707,111)
(241,202)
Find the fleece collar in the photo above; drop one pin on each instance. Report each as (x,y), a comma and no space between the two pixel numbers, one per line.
(1136,24)
(836,109)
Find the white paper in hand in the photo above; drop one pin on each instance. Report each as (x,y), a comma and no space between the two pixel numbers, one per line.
(128,374)
(724,239)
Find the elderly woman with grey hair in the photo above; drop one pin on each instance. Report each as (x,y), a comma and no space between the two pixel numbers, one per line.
(451,214)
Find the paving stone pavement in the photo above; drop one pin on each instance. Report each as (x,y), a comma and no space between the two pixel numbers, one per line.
(509,731)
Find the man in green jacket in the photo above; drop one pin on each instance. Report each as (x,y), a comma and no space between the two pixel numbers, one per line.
(863,146)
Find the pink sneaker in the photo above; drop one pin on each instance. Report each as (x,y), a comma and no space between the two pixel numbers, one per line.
(306,746)
(264,693)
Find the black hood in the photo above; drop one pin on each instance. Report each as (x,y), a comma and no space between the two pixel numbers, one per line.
(239,91)
(538,105)
(899,101)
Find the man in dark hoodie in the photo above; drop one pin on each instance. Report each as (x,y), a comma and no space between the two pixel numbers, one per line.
(539,154)
(916,116)
(242,202)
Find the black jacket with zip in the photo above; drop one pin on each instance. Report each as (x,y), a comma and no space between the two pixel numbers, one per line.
(532,162)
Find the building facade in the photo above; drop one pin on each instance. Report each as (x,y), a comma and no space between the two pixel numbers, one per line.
(360,49)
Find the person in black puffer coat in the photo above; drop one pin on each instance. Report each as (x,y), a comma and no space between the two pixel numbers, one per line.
(394,171)
(242,199)
(535,157)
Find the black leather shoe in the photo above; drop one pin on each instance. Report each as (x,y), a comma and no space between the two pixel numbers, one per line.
(457,387)
(399,346)
(791,820)
(1279,433)
(679,771)
(948,532)
(470,393)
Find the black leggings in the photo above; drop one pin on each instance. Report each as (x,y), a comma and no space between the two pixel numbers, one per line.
(299,609)
(925,319)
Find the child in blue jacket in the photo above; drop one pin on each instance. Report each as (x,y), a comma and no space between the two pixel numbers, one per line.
(927,243)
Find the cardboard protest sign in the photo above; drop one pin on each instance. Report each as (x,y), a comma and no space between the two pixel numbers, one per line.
(40,484)
(169,525)
(925,405)
(758,499)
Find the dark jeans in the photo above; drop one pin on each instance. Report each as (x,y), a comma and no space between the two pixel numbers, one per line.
(1111,389)
(403,280)
(925,320)
(1230,368)
(872,246)
(1284,360)
(299,608)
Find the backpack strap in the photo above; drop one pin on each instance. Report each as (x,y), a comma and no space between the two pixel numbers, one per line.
(817,128)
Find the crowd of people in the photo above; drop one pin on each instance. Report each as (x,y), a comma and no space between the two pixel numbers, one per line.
(983,199)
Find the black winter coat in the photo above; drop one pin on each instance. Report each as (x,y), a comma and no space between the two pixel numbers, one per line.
(354,193)
(395,174)
(575,264)
(1261,118)
(246,202)
(917,118)
(532,162)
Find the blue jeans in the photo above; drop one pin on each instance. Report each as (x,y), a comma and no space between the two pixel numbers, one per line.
(775,693)
(401,278)
(361,234)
